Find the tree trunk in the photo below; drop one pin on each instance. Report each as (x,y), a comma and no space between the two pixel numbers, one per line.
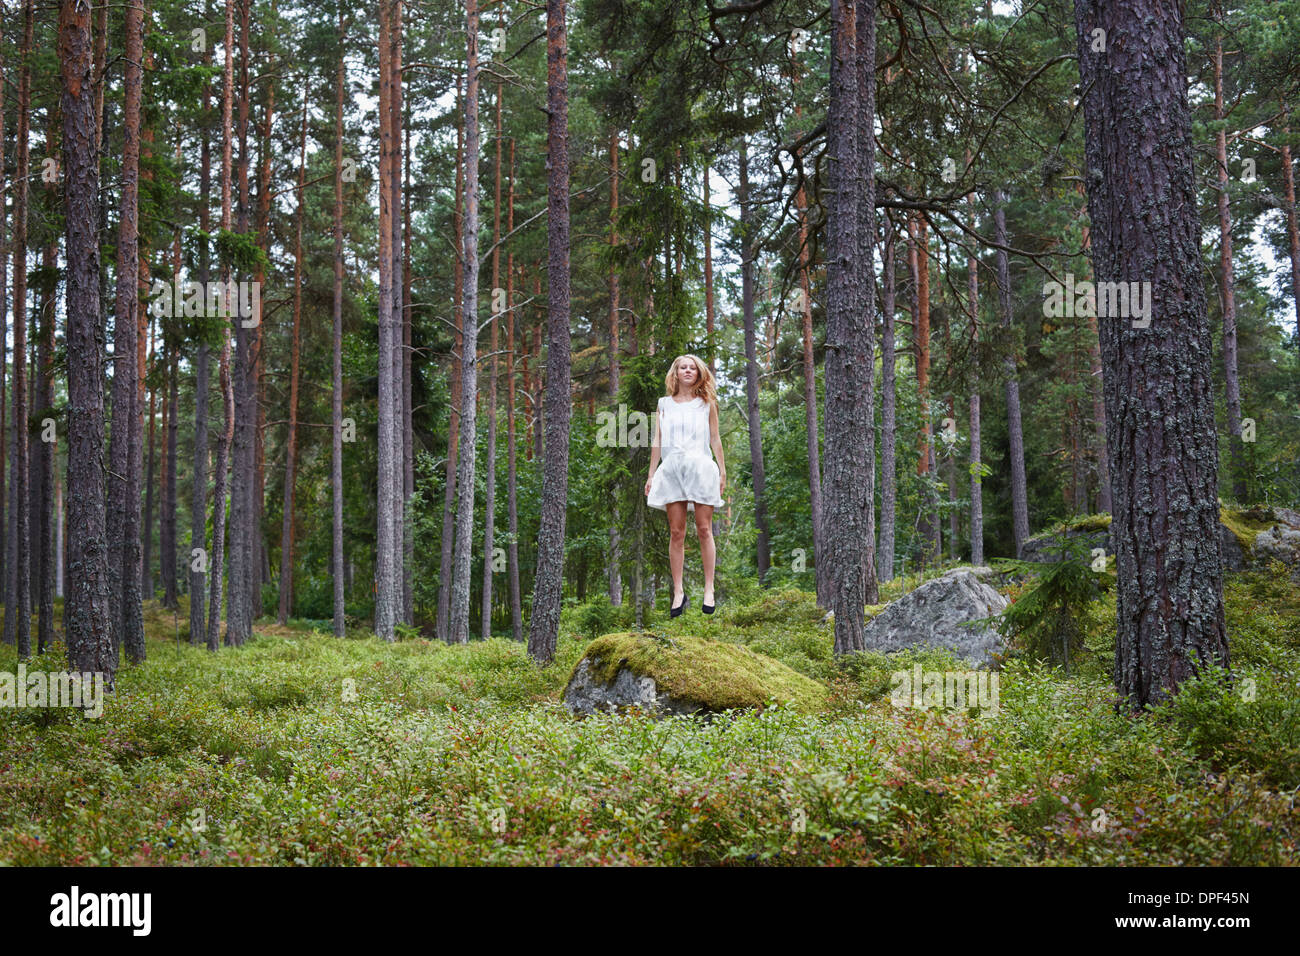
(810,404)
(408,422)
(387,583)
(1227,295)
(849,366)
(243,591)
(46,451)
(548,585)
(167,529)
(512,478)
(764,557)
(198,560)
(458,613)
(1292,229)
(227,390)
(490,459)
(927,528)
(453,439)
(888,412)
(291,446)
(147,590)
(1015,431)
(976,453)
(709,311)
(18,605)
(86,611)
(171,410)
(396,358)
(1159,386)
(6,525)
(615,544)
(336,391)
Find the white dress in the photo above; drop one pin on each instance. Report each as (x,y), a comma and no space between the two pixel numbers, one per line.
(687,471)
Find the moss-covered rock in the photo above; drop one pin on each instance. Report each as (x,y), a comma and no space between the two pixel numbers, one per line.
(1240,536)
(683,674)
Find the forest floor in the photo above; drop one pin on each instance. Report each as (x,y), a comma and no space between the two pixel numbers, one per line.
(301,748)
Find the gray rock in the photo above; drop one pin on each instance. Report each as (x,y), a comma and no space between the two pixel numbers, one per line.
(936,615)
(585,695)
(1279,543)
(1231,557)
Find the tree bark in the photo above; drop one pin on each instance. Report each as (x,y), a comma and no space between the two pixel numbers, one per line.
(397,357)
(458,613)
(243,591)
(445,573)
(18,606)
(217,569)
(147,589)
(930,526)
(1292,229)
(336,391)
(1227,293)
(86,611)
(849,365)
(46,449)
(408,422)
(171,409)
(387,584)
(291,446)
(1015,430)
(976,452)
(544,624)
(615,576)
(198,559)
(6,524)
(810,398)
(490,458)
(763,556)
(1159,388)
(512,478)
(888,411)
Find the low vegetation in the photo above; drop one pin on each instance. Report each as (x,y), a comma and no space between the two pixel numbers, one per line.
(300,748)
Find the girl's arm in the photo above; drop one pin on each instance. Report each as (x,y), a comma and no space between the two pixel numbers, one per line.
(654,452)
(715,441)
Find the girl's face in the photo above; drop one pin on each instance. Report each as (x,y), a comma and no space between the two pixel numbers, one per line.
(687,374)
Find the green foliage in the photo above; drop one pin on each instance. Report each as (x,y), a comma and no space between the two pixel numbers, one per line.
(1244,722)
(240,251)
(304,749)
(597,616)
(1050,618)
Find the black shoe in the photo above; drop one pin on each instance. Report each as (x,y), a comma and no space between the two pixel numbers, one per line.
(707,608)
(675,611)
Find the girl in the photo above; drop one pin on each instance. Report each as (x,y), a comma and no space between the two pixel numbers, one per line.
(686,428)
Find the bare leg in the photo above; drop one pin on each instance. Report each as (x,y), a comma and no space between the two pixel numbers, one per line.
(676,545)
(708,555)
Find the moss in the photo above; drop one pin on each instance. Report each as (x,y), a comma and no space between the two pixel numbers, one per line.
(714,674)
(1246,524)
(1098,522)
(788,606)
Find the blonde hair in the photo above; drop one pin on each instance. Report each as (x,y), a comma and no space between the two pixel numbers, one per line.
(705,388)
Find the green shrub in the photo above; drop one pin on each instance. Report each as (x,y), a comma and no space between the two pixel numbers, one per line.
(1248,721)
(1050,618)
